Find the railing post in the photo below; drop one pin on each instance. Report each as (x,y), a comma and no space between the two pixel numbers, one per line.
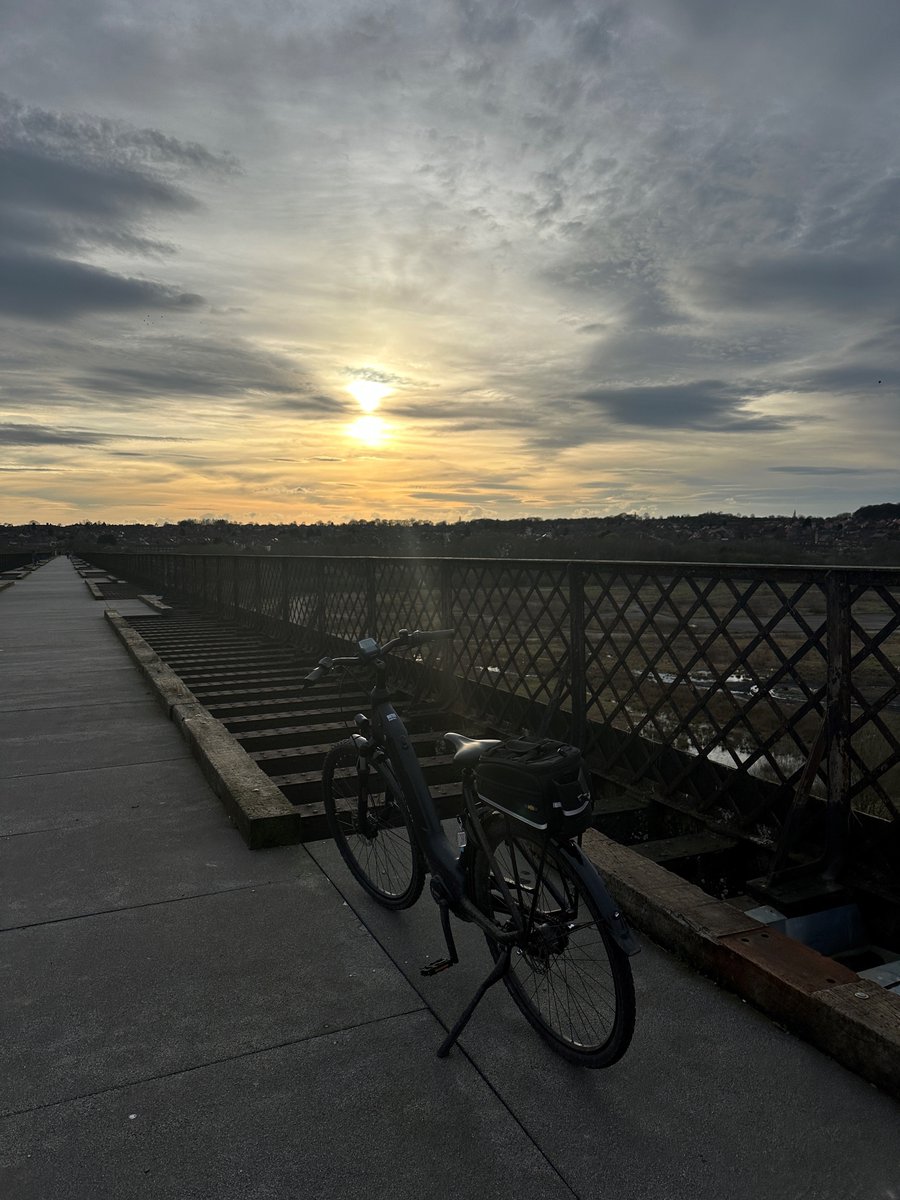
(577,654)
(285,596)
(446,585)
(371,608)
(257,589)
(837,720)
(235,586)
(219,611)
(450,657)
(319,623)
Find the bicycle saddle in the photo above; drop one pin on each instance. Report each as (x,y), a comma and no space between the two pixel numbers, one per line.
(468,750)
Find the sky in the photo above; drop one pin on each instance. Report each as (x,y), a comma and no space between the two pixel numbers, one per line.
(300,261)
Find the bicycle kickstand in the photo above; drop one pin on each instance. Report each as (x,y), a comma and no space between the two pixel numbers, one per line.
(501,967)
(442,964)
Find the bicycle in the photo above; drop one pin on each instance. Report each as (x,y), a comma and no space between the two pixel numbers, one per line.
(558,941)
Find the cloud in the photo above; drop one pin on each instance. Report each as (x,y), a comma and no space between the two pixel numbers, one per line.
(16,434)
(69,185)
(30,469)
(12,434)
(453,496)
(853,379)
(709,405)
(228,370)
(806,470)
(33,178)
(37,287)
(374,376)
(312,406)
(808,283)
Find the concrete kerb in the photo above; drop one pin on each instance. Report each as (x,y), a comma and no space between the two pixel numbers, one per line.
(256,806)
(6,583)
(154,602)
(854,1021)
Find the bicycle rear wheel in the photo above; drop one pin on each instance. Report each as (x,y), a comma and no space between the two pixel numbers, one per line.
(568,976)
(372,829)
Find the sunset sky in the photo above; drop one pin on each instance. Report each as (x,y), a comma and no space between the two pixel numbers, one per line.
(315,261)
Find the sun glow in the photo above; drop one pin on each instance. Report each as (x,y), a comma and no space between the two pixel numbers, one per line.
(370,430)
(368,393)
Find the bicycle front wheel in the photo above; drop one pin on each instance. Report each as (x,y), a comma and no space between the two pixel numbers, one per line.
(371,827)
(567,975)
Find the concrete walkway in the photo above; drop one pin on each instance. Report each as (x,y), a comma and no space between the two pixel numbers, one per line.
(182,1017)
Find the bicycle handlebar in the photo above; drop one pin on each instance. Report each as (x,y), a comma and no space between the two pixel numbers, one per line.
(406,637)
(416,637)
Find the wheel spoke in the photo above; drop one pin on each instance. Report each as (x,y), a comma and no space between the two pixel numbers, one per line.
(567,976)
(381,852)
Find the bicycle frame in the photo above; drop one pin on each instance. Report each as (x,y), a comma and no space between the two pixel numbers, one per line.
(398,763)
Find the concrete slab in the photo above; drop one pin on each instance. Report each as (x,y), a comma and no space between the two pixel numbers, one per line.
(106,686)
(707,1082)
(357,1112)
(142,855)
(82,799)
(50,640)
(69,655)
(131,608)
(109,1000)
(68,739)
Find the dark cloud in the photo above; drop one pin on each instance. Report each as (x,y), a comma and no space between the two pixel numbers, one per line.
(16,434)
(312,406)
(852,379)
(12,434)
(37,287)
(831,283)
(232,372)
(68,184)
(709,405)
(102,140)
(33,179)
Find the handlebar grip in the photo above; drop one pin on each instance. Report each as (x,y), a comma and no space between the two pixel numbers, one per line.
(325,665)
(435,635)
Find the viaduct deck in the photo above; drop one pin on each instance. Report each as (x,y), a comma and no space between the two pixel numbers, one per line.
(185,1017)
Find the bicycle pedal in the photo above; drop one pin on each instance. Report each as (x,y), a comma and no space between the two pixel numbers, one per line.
(440,964)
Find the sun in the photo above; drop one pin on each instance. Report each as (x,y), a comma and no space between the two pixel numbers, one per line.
(368,393)
(370,430)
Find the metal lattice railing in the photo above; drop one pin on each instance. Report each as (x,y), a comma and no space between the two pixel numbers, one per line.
(748,690)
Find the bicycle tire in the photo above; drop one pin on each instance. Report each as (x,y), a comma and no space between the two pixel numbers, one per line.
(384,857)
(571,980)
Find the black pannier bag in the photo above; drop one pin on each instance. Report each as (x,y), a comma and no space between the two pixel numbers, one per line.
(538,781)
